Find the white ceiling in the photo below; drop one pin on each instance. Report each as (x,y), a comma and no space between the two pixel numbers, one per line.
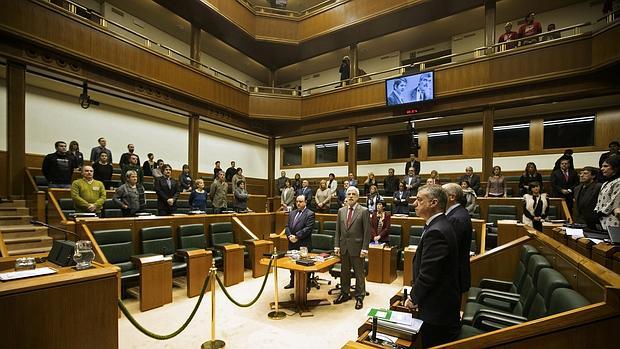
(417,37)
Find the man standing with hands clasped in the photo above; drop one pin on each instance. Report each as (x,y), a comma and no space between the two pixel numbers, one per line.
(351,244)
(299,230)
(436,291)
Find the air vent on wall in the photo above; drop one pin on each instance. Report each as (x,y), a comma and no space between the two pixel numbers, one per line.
(118,12)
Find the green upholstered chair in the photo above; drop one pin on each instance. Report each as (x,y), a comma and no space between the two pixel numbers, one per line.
(329,228)
(117,247)
(192,236)
(158,240)
(110,209)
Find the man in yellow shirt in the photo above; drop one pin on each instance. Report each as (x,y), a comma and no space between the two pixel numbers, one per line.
(87,193)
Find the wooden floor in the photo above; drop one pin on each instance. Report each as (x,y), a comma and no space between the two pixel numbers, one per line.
(331,327)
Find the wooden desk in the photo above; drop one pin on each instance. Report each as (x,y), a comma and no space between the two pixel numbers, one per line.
(198,263)
(409,253)
(375,263)
(155,281)
(389,262)
(508,230)
(233,264)
(257,248)
(299,300)
(61,310)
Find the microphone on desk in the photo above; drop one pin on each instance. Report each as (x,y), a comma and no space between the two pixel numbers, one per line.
(62,251)
(404,296)
(373,334)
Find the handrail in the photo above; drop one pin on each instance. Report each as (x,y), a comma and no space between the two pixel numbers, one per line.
(610,16)
(422,65)
(257,9)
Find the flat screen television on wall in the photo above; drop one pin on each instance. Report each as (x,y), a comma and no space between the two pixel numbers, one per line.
(409,89)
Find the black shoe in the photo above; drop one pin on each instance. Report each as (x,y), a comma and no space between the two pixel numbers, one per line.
(359,303)
(342,298)
(289,286)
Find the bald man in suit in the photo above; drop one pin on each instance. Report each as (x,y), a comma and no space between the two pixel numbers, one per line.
(351,244)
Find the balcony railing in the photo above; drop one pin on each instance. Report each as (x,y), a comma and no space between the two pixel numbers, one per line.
(258,10)
(539,39)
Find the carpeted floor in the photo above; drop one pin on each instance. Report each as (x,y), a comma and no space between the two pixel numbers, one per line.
(330,327)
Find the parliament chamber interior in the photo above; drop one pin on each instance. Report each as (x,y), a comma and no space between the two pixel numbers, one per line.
(233,143)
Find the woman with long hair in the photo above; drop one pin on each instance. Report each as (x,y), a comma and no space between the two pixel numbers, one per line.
(608,203)
(529,175)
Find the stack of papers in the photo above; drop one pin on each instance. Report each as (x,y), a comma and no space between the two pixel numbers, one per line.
(26,273)
(395,319)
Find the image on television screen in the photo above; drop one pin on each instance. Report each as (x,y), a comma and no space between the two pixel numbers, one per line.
(409,89)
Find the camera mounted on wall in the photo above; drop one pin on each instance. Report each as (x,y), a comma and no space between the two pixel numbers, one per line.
(414,147)
(85,100)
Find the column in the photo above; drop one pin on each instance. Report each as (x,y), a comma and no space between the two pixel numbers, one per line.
(16,128)
(353,150)
(192,141)
(489,23)
(271,167)
(195,45)
(487,141)
(353,58)
(272,77)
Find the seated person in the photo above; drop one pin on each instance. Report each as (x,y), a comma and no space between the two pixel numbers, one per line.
(401,200)
(380,224)
(88,194)
(130,195)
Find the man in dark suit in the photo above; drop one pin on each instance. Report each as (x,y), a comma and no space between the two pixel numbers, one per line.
(586,195)
(305,190)
(390,183)
(401,200)
(563,182)
(351,244)
(412,163)
(167,190)
(299,230)
(461,222)
(472,178)
(436,291)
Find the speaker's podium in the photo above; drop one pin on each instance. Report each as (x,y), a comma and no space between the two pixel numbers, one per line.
(67,309)
(382,263)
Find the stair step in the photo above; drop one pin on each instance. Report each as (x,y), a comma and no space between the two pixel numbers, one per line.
(14,211)
(15,220)
(27,251)
(21,228)
(28,243)
(14,203)
(22,240)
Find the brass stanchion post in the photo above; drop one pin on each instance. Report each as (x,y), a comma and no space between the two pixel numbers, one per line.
(213,343)
(276,314)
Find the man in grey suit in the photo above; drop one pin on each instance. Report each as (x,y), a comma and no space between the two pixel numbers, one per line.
(351,244)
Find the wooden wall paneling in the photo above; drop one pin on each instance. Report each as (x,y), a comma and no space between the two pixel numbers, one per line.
(487,139)
(4,173)
(346,99)
(308,153)
(192,146)
(607,127)
(235,12)
(16,127)
(274,107)
(605,46)
(342,147)
(472,137)
(499,264)
(379,148)
(536,135)
(276,29)
(352,162)
(423,143)
(261,224)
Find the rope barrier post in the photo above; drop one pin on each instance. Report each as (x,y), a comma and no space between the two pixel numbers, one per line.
(276,314)
(213,343)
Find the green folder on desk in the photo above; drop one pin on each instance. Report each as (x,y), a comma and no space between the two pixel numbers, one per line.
(381,314)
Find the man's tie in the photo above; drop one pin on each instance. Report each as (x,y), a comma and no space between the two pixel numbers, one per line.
(566,176)
(349,216)
(424,229)
(296,216)
(169,184)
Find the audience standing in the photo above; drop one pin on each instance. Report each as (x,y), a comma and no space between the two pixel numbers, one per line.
(390,183)
(305,191)
(167,190)
(238,176)
(608,202)
(508,37)
(332,184)
(352,180)
(101,148)
(614,149)
(470,197)
(563,181)
(370,181)
(471,178)
(58,167)
(496,186)
(322,197)
(552,36)
(130,195)
(185,179)
(400,205)
(372,198)
(345,70)
(88,194)
(240,197)
(125,157)
(535,207)
(568,154)
(149,165)
(103,169)
(529,175)
(157,171)
(217,169)
(586,195)
(380,224)
(198,196)
(434,178)
(287,197)
(296,182)
(78,157)
(461,223)
(413,162)
(412,181)
(230,172)
(280,182)
(132,165)
(342,194)
(217,193)
(530,28)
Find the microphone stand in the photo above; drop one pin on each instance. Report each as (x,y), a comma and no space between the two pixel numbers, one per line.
(62,250)
(65,231)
